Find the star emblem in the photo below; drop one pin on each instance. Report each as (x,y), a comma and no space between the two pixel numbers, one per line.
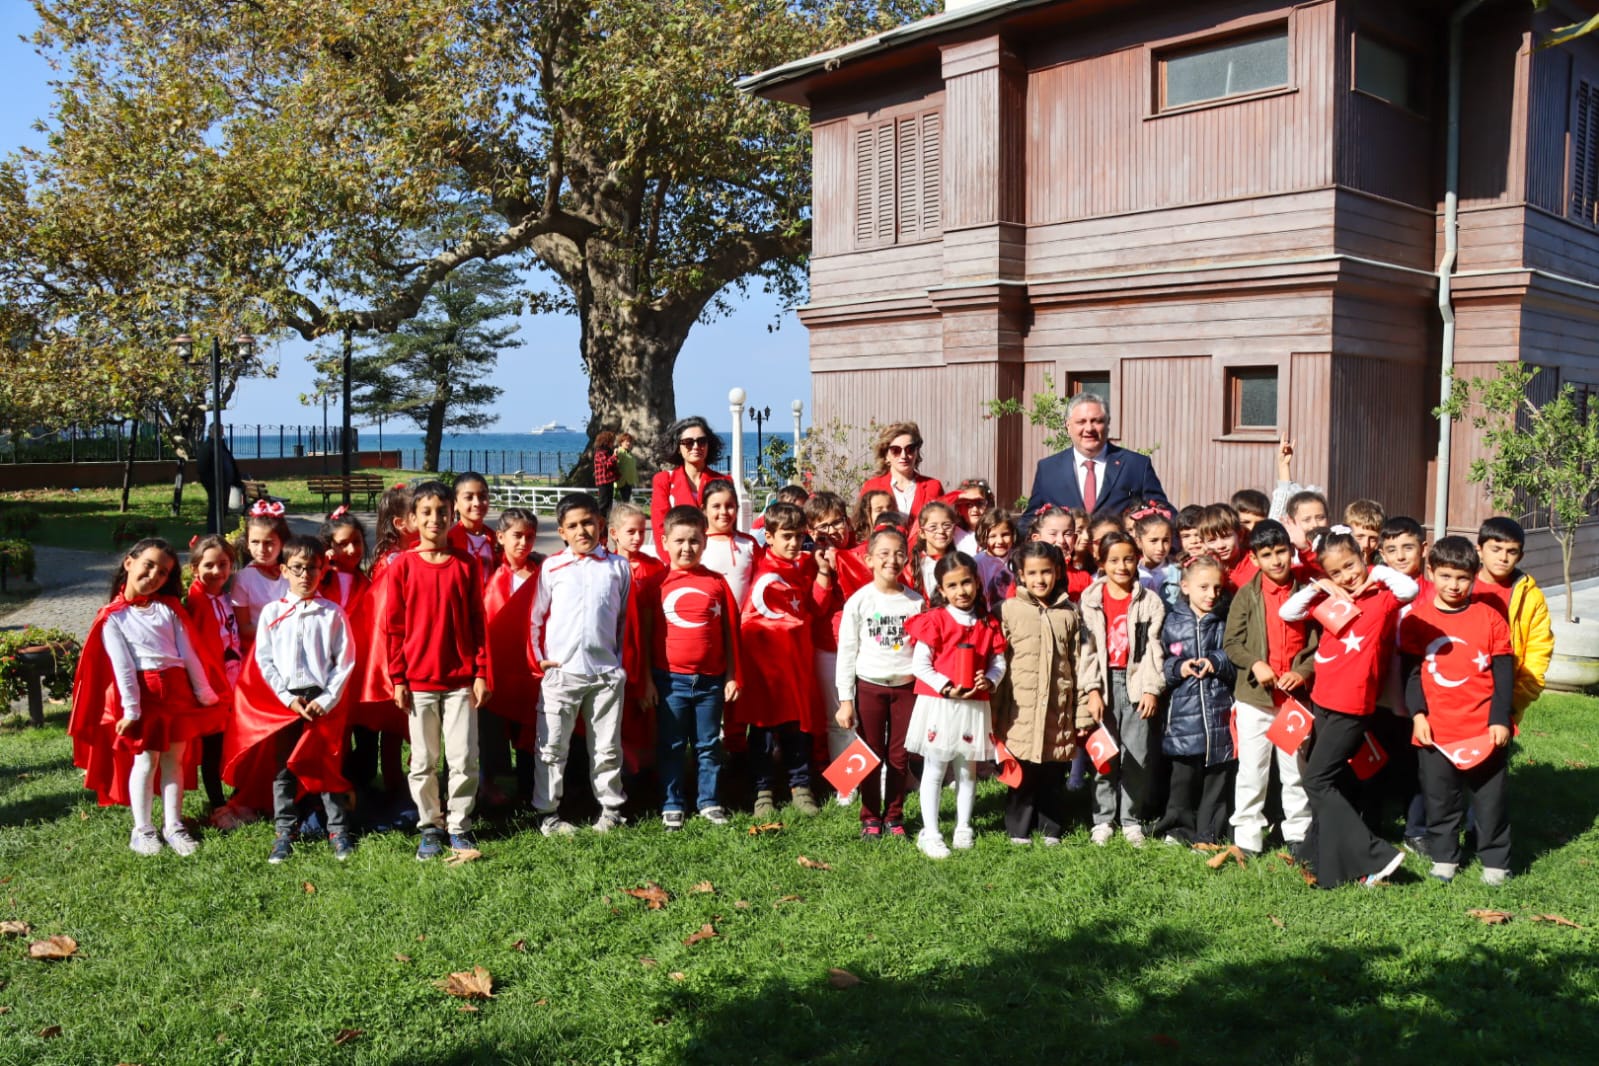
(1482,661)
(1352,642)
(716,609)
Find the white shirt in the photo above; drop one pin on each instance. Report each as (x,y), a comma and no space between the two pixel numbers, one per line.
(1081,463)
(732,556)
(922,662)
(904,499)
(303,644)
(253,590)
(1402,586)
(579,610)
(149,638)
(871,639)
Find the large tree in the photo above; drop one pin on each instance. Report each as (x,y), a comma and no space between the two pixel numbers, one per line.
(283,150)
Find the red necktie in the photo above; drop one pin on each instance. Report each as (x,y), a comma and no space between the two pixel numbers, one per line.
(1090,490)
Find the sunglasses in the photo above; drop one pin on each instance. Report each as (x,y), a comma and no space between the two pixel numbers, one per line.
(694,442)
(910,449)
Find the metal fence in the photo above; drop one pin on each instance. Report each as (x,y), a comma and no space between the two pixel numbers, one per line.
(108,442)
(495,461)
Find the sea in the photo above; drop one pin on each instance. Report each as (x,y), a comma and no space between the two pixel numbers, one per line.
(506,453)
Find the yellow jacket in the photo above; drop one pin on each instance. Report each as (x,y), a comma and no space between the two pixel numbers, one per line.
(1532,639)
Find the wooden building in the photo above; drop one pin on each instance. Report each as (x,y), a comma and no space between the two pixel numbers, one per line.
(1229,215)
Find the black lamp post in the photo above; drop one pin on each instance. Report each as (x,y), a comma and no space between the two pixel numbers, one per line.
(243,348)
(345,441)
(759,415)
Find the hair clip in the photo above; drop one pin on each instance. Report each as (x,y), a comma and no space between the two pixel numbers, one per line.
(193,541)
(266,509)
(1046,509)
(1345,530)
(339,512)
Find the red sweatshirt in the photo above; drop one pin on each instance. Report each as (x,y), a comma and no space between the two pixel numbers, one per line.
(695,623)
(434,623)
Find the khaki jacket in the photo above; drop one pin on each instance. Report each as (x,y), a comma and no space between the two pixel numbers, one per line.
(1145,614)
(1037,709)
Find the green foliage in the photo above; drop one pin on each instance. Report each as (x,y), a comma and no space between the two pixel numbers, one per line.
(1045,410)
(1564,34)
(777,463)
(63,645)
(132,529)
(18,521)
(835,457)
(16,558)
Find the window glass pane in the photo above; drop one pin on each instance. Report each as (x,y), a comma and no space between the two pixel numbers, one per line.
(1384,71)
(1094,381)
(1255,393)
(1238,66)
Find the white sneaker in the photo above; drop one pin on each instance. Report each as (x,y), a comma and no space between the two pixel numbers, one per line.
(553,825)
(1021,842)
(963,838)
(1373,880)
(844,799)
(1052,842)
(1102,834)
(179,840)
(1494,876)
(931,843)
(1444,871)
(607,821)
(145,841)
(1134,834)
(672,820)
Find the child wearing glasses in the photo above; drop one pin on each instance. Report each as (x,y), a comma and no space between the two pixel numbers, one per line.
(684,483)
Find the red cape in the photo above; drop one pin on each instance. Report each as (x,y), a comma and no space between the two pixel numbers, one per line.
(373,695)
(514,679)
(207,641)
(638,721)
(776,652)
(457,539)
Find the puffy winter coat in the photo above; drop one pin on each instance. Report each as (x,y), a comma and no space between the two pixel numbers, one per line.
(1199,714)
(1036,708)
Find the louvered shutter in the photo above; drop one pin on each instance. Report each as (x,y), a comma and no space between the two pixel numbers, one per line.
(883,211)
(931,214)
(865,184)
(908,133)
(1585,155)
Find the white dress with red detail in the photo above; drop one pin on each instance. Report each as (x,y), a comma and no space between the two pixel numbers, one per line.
(945,729)
(732,556)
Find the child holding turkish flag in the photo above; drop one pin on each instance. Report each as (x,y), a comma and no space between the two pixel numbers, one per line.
(1460,687)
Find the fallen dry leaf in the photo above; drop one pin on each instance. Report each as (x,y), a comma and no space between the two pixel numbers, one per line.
(765,827)
(742,904)
(812,864)
(1278,922)
(707,931)
(344,1036)
(13,928)
(475,983)
(463,856)
(310,889)
(53,949)
(787,899)
(703,888)
(541,1003)
(420,937)
(1210,847)
(1557,920)
(678,975)
(49,1032)
(401,958)
(1231,853)
(647,962)
(651,893)
(5,1010)
(468,1009)
(841,978)
(1487,917)
(520,945)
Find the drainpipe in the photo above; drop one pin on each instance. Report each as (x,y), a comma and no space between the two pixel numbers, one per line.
(1446,267)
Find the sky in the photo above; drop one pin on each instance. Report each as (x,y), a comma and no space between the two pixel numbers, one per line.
(543,380)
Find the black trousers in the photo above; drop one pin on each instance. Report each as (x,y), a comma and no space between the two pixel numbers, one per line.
(1037,802)
(286,789)
(1340,846)
(1199,801)
(766,742)
(1444,785)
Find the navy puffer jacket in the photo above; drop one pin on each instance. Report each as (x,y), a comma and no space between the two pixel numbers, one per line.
(1199,714)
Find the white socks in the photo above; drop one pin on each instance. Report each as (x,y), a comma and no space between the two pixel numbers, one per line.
(933,787)
(140,794)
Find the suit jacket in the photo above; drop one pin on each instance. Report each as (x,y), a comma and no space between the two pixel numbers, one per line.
(1129,478)
(928,489)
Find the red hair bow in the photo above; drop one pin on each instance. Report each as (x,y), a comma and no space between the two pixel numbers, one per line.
(266,509)
(339,512)
(193,541)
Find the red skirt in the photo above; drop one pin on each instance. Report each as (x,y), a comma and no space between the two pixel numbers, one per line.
(169,716)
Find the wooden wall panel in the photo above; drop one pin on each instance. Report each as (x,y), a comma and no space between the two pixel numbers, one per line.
(1376,442)
(1384,230)
(832,211)
(1493,160)
(878,273)
(1491,237)
(1560,246)
(905,342)
(1383,148)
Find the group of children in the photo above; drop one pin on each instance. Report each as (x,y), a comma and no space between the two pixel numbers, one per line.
(1173,663)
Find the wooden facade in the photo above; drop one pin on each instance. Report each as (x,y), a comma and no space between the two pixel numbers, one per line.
(1006,199)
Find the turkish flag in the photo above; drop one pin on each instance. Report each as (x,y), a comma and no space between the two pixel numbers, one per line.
(1010,769)
(1369,759)
(853,763)
(1335,614)
(1291,727)
(1101,748)
(1469,753)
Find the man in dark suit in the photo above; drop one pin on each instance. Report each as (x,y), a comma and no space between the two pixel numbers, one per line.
(1093,474)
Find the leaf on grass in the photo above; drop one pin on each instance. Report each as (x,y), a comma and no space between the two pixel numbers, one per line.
(841,978)
(467,1009)
(541,1003)
(742,904)
(1487,917)
(5,1010)
(420,937)
(678,975)
(787,899)
(83,815)
(647,962)
(401,958)
(49,1032)
(1287,859)
(344,1036)
(310,889)
(765,827)
(1556,919)
(812,864)
(53,949)
(1210,847)
(707,931)
(703,888)
(462,856)
(651,893)
(1231,853)
(14,928)
(475,983)
(520,945)
(1278,922)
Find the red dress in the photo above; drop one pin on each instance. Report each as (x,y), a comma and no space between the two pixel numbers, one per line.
(638,721)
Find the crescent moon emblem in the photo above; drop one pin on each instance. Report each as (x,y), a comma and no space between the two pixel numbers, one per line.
(851,768)
(1294,721)
(669,607)
(1432,661)
(758,597)
(1458,756)
(1322,659)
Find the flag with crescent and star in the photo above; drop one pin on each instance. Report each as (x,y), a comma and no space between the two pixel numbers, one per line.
(1292,726)
(1102,748)
(853,764)
(1370,759)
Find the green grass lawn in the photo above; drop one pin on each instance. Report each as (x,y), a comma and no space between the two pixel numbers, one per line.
(1001,955)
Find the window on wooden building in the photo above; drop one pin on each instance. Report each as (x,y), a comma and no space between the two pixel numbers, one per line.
(1216,70)
(1094,381)
(1386,72)
(899,180)
(1585,155)
(1251,398)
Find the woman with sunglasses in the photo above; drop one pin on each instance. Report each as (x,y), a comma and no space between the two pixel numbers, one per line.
(899,460)
(695,453)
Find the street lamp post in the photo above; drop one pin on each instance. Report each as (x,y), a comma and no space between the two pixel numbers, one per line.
(344,439)
(243,348)
(760,416)
(798,407)
(735,407)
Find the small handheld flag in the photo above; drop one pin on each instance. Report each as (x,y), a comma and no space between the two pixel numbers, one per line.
(1102,748)
(853,764)
(1292,726)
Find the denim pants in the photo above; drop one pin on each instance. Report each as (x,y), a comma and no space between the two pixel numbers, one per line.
(689,712)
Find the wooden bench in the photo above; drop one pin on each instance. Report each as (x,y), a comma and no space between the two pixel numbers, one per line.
(255,491)
(331,485)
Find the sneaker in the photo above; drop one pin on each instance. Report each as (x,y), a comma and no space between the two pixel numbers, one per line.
(1415,845)
(844,799)
(1171,838)
(607,821)
(871,829)
(716,814)
(1134,834)
(895,830)
(1052,842)
(764,807)
(963,838)
(1494,876)
(343,845)
(145,841)
(931,843)
(553,825)
(462,842)
(672,820)
(432,845)
(1444,871)
(804,801)
(1101,834)
(313,828)
(282,848)
(1373,880)
(179,840)
(1021,842)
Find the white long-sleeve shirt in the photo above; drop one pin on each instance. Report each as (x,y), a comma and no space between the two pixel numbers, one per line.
(253,590)
(1404,589)
(871,639)
(150,637)
(732,556)
(579,610)
(922,662)
(305,644)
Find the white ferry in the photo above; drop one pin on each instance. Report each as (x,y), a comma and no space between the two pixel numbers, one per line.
(550,427)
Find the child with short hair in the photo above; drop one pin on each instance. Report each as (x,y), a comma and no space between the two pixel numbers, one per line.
(438,668)
(216,631)
(578,627)
(1252,507)
(1197,737)
(827,527)
(261,581)
(472,535)
(997,535)
(1460,680)
(141,695)
(1365,518)
(1502,584)
(1403,546)
(1223,537)
(513,709)
(729,551)
(638,698)
(1190,542)
(694,654)
(293,698)
(794,494)
(1274,658)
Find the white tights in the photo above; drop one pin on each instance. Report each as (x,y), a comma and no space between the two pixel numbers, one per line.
(140,794)
(933,787)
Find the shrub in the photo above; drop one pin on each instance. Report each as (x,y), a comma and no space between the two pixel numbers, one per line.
(13,684)
(18,521)
(16,559)
(132,529)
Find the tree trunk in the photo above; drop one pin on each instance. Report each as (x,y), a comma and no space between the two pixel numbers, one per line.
(177,483)
(1568,544)
(127,466)
(433,436)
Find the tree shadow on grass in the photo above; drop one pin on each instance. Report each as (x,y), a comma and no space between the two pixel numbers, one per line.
(1550,803)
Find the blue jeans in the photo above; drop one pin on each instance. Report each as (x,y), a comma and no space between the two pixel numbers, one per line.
(690,710)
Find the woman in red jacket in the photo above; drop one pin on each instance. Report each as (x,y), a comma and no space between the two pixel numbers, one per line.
(696,450)
(899,459)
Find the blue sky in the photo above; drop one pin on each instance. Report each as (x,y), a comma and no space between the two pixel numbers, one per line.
(544,379)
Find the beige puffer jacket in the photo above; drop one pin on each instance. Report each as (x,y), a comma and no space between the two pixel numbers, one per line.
(1037,707)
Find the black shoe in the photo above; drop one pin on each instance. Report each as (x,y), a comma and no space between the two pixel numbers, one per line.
(462,842)
(1416,846)
(432,845)
(343,845)
(282,848)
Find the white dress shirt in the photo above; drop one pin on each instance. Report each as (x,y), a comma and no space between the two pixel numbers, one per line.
(579,611)
(303,644)
(151,637)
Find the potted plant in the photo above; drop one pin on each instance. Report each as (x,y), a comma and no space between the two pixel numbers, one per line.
(1543,461)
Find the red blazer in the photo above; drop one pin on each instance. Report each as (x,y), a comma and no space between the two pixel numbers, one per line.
(928,489)
(670,489)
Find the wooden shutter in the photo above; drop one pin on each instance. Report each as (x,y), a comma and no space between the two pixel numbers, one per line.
(883,212)
(907,138)
(1585,155)
(899,180)
(931,209)
(865,184)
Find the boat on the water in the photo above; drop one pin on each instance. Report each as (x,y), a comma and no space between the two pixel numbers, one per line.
(550,427)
